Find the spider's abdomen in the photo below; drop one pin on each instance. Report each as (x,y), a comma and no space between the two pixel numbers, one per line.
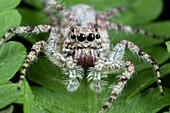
(84,14)
(85,57)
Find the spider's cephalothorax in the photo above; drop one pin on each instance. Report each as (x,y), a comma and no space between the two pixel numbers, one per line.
(84,45)
(81,41)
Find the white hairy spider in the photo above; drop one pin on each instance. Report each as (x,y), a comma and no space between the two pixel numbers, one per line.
(81,41)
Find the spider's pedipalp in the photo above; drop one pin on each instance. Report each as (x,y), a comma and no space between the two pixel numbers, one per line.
(74,73)
(100,71)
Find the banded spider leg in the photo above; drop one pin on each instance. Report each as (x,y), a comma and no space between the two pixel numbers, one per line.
(117,54)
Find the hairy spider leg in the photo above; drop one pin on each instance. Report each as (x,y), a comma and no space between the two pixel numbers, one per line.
(62,11)
(25,30)
(135,49)
(144,56)
(102,22)
(38,47)
(119,50)
(130,29)
(35,50)
(115,11)
(55,35)
(50,15)
(119,85)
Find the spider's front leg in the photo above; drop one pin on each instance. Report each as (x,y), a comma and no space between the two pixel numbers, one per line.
(25,30)
(38,47)
(119,50)
(128,68)
(117,54)
(147,58)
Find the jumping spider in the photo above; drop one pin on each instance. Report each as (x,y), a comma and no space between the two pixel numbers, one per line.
(81,41)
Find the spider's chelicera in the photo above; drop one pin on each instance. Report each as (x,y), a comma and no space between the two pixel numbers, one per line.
(80,41)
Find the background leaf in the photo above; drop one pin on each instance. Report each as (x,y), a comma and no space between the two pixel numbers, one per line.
(148,101)
(8,94)
(13,54)
(4,5)
(10,18)
(168,46)
(29,103)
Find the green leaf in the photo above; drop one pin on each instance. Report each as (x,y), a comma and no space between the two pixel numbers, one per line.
(54,101)
(34,3)
(30,106)
(161,28)
(141,11)
(6,5)
(168,46)
(142,80)
(148,101)
(9,19)
(12,55)
(9,94)
(36,18)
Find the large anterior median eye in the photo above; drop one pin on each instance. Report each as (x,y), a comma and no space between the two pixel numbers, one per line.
(81,37)
(90,37)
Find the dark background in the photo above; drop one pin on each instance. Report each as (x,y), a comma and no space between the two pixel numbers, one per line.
(166,11)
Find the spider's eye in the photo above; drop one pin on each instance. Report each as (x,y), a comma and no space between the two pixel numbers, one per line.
(96,29)
(90,37)
(73,36)
(72,29)
(81,37)
(97,36)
